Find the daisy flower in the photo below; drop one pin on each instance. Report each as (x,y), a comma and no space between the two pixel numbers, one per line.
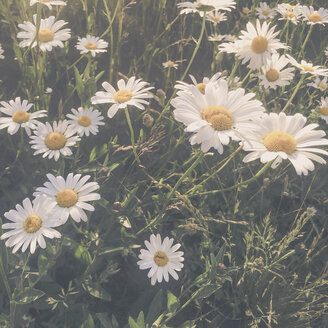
(170,64)
(29,225)
(19,116)
(288,12)
(1,53)
(48,3)
(85,120)
(273,74)
(314,16)
(306,67)
(319,84)
(131,93)
(49,34)
(201,6)
(216,17)
(230,37)
(264,11)
(91,44)
(54,140)
(217,116)
(183,86)
(255,45)
(69,197)
(215,37)
(324,109)
(311,211)
(161,258)
(279,137)
(246,10)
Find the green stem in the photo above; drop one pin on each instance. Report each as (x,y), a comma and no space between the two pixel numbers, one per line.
(305,41)
(294,93)
(127,115)
(4,277)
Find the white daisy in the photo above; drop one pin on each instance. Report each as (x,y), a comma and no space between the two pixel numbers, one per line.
(215,37)
(216,17)
(91,44)
(273,74)
(183,86)
(69,197)
(48,3)
(255,45)
(289,12)
(279,137)
(201,6)
(19,116)
(1,53)
(264,11)
(318,83)
(131,93)
(314,16)
(230,37)
(49,34)
(85,120)
(311,211)
(30,224)
(55,140)
(324,109)
(246,10)
(170,64)
(216,116)
(306,67)
(161,258)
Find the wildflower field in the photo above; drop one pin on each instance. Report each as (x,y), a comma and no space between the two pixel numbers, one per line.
(163,163)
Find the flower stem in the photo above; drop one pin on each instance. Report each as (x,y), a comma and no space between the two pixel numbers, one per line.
(294,93)
(305,41)
(127,115)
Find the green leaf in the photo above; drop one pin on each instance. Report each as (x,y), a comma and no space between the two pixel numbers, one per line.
(83,254)
(93,154)
(205,291)
(129,197)
(133,324)
(172,302)
(96,290)
(155,308)
(28,295)
(141,319)
(79,83)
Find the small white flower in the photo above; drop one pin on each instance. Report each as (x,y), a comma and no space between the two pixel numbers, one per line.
(48,3)
(85,120)
(161,258)
(69,197)
(264,11)
(216,37)
(19,116)
(55,140)
(314,16)
(318,83)
(170,64)
(201,6)
(49,34)
(288,12)
(30,224)
(1,53)
(230,37)
(132,93)
(246,10)
(306,67)
(216,17)
(311,211)
(324,109)
(91,44)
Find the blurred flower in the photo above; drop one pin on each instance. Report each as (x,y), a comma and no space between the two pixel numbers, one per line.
(230,37)
(91,44)
(85,120)
(289,12)
(202,6)
(314,16)
(1,52)
(319,84)
(131,93)
(48,3)
(170,64)
(216,17)
(273,74)
(55,140)
(19,116)
(215,37)
(70,196)
(235,82)
(29,224)
(324,109)
(161,258)
(264,11)
(306,67)
(279,137)
(48,90)
(246,10)
(311,211)
(49,34)
(217,115)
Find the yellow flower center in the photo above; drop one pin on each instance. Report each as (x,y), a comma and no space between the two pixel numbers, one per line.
(324,111)
(290,15)
(55,140)
(259,44)
(220,117)
(272,75)
(307,68)
(45,35)
(32,223)
(84,121)
(280,141)
(170,63)
(123,96)
(322,86)
(160,258)
(201,87)
(90,46)
(265,12)
(246,11)
(216,18)
(203,7)
(67,198)
(315,17)
(20,117)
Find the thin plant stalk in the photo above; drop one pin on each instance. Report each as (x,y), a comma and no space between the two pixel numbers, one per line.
(127,115)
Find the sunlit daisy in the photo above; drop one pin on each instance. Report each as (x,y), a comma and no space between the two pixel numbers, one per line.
(48,3)
(54,140)
(49,34)
(264,11)
(314,16)
(255,45)
(216,116)
(318,83)
(133,93)
(216,17)
(202,6)
(279,137)
(1,53)
(85,120)
(91,44)
(306,67)
(324,109)
(70,197)
(273,74)
(170,64)
(215,37)
(288,12)
(161,258)
(29,225)
(19,116)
